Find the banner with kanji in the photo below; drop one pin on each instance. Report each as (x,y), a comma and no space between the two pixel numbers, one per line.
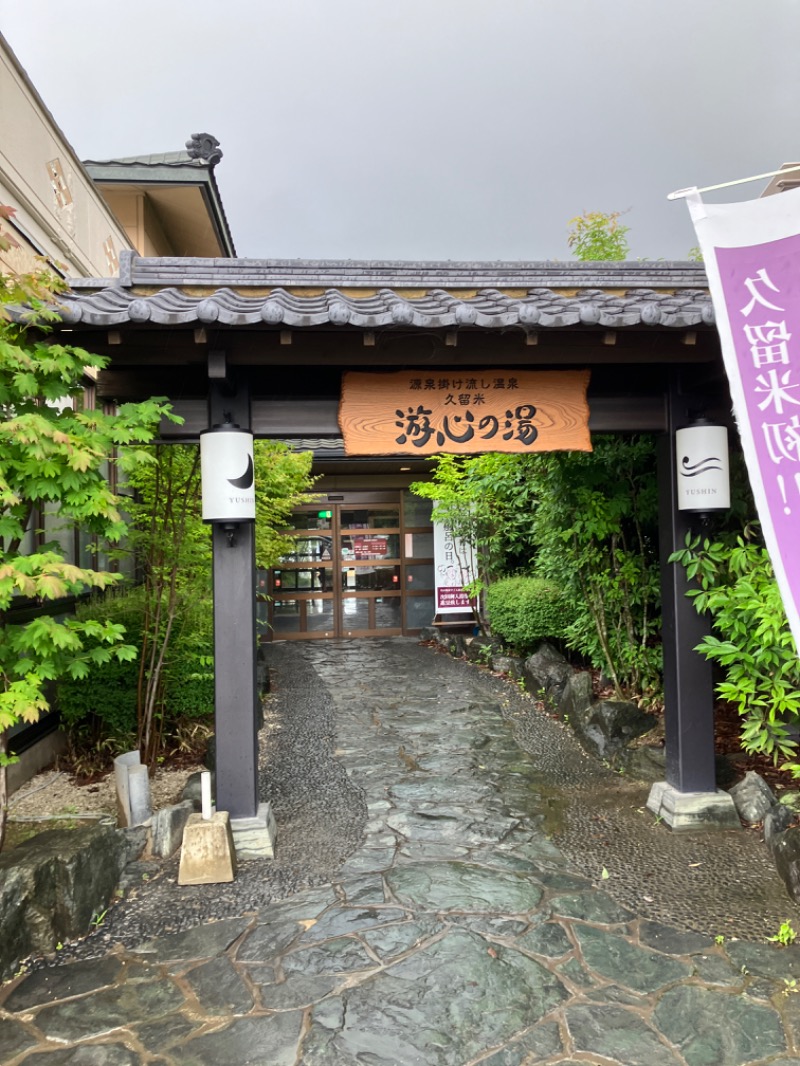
(752,258)
(454,565)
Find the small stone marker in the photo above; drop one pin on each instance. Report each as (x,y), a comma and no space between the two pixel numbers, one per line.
(139,794)
(208,856)
(133,789)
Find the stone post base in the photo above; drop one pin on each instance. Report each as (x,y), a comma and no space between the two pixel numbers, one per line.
(207,854)
(254,838)
(692,810)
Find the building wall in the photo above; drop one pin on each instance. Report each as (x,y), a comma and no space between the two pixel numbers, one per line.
(138,217)
(59,213)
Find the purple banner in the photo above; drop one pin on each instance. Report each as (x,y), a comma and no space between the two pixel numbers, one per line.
(761,289)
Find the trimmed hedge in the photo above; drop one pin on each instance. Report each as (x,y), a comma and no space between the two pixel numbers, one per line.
(523,611)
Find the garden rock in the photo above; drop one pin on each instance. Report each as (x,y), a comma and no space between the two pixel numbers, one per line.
(135,842)
(605,728)
(785,848)
(752,797)
(53,885)
(577,696)
(455,644)
(548,672)
(647,762)
(166,828)
(777,820)
(482,650)
(509,665)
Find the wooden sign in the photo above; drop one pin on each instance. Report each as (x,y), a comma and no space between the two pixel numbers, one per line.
(465,412)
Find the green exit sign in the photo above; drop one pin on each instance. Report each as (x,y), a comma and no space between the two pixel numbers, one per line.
(324,514)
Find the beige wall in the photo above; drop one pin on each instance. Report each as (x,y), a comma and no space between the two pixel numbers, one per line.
(58,210)
(134,210)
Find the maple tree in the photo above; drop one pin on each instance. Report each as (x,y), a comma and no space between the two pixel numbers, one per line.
(55,456)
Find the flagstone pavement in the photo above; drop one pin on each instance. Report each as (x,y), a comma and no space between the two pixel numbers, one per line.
(456,883)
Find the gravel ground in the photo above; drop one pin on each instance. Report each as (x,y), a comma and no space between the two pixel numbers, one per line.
(320,815)
(54,793)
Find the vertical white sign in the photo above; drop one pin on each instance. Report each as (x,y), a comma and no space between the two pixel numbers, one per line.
(454,565)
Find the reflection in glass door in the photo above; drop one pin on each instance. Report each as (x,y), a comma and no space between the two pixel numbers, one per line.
(356,570)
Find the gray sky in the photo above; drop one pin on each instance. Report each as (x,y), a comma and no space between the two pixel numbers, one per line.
(430,129)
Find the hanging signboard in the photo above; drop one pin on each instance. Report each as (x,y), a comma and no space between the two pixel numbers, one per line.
(464,412)
(454,565)
(752,258)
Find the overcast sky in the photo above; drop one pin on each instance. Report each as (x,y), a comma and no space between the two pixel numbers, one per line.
(430,129)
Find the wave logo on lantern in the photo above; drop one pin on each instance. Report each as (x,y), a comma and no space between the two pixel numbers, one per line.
(711,462)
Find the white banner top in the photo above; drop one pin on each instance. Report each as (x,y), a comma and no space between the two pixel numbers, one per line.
(752,258)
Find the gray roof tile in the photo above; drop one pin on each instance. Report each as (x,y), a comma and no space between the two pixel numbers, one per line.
(450,295)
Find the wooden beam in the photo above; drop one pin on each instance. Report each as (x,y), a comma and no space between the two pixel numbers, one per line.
(689,337)
(297,416)
(610,337)
(286,336)
(200,336)
(114,336)
(217,366)
(369,338)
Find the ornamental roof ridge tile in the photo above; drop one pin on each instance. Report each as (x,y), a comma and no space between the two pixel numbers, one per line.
(491,309)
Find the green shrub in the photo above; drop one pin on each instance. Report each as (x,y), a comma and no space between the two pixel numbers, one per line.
(523,611)
(752,642)
(188,679)
(595,531)
(103,705)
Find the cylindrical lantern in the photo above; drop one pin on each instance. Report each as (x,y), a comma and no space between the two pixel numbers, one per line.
(226,469)
(703,470)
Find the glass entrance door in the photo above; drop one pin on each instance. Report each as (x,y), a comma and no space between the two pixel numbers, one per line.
(356,571)
(344,577)
(369,568)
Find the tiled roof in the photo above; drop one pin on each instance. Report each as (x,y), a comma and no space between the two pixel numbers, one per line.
(498,295)
(354,273)
(162,159)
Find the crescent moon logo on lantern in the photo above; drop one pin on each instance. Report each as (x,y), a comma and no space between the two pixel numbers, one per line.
(245,481)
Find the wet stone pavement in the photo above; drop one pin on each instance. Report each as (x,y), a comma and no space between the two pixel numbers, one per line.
(465,902)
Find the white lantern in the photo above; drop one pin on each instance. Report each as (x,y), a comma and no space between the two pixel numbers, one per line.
(226,470)
(703,469)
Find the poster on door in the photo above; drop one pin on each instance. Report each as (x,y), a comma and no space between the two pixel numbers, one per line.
(454,566)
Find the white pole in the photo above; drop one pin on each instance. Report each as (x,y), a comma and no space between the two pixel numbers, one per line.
(205,794)
(680,193)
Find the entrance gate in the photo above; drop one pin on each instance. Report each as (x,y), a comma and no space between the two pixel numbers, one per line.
(362,566)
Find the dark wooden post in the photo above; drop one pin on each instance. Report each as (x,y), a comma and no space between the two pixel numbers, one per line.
(688,687)
(235,688)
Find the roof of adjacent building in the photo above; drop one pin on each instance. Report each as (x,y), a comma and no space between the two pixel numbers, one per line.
(165,174)
(382,294)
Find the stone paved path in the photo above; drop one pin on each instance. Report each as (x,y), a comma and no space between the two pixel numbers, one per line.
(457,933)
